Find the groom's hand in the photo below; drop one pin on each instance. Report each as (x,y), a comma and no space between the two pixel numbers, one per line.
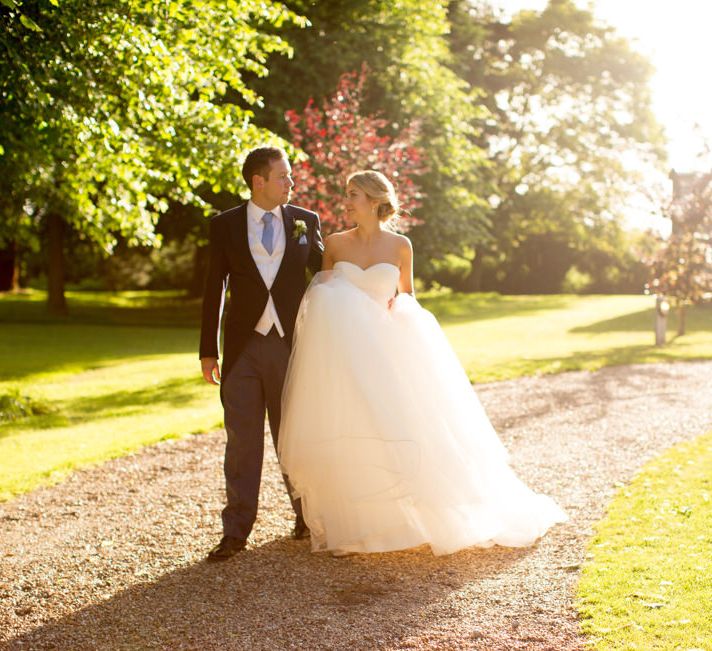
(211,369)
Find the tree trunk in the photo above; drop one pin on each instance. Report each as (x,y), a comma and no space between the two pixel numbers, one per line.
(8,268)
(56,302)
(660,320)
(473,282)
(16,273)
(681,315)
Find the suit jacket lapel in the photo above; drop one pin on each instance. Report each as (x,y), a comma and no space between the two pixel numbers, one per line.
(289,243)
(288,219)
(239,232)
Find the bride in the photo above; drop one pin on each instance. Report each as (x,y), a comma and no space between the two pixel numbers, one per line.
(382,436)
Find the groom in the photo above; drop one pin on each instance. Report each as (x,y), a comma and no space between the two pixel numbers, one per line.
(261,249)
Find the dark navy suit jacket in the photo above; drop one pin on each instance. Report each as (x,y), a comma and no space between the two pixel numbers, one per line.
(231,264)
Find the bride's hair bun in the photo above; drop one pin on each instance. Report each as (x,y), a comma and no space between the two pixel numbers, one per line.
(377,186)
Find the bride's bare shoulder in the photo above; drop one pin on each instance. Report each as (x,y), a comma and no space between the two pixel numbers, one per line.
(401,242)
(337,240)
(340,235)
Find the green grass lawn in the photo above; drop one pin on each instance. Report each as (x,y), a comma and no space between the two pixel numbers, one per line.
(121,371)
(648,583)
(110,384)
(502,337)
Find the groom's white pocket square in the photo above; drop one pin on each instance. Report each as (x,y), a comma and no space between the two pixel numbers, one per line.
(303,239)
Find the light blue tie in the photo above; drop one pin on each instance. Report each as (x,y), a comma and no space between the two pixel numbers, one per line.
(268,232)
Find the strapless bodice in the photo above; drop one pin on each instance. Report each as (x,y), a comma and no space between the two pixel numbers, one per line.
(379,280)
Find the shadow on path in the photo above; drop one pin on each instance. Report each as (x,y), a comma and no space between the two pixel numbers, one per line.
(253,601)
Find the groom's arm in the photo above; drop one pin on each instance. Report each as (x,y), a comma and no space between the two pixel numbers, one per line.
(317,248)
(213,301)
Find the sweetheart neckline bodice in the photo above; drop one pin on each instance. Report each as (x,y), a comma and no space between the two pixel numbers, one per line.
(378,280)
(371,266)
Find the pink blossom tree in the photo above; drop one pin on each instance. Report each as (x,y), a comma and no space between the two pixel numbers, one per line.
(339,140)
(682,269)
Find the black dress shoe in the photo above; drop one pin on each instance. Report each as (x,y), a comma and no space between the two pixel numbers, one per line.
(301,531)
(226,548)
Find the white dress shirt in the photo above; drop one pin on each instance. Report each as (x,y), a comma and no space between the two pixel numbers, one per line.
(268,265)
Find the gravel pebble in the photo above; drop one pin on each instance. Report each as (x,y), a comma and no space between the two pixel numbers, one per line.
(113,558)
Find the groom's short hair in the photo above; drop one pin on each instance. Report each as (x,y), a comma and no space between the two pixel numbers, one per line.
(259,161)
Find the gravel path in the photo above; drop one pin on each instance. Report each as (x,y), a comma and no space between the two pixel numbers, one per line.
(113,557)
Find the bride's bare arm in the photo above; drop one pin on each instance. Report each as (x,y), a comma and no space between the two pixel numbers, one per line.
(405,281)
(327,260)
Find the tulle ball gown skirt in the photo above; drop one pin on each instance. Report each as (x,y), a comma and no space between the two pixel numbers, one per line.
(382,435)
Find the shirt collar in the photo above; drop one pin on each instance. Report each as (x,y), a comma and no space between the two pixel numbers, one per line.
(255,213)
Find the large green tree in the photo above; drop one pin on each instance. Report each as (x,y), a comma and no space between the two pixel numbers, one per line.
(111,109)
(569,133)
(411,79)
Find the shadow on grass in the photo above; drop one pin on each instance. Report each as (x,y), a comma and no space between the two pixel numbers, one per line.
(28,349)
(272,597)
(172,393)
(699,319)
(588,360)
(457,307)
(148,309)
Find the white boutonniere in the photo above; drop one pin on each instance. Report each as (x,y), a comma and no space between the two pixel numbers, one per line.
(300,229)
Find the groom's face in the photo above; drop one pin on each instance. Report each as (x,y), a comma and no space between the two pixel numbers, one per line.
(276,188)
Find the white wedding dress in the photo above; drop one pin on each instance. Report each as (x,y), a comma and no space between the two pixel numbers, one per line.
(382,435)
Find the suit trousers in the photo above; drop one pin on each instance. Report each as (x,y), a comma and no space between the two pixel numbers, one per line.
(253,385)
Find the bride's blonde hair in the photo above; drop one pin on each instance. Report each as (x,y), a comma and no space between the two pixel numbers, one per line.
(377,186)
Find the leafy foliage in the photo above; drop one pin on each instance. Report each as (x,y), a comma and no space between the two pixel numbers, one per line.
(14,406)
(110,109)
(411,81)
(569,132)
(532,132)
(339,140)
(682,268)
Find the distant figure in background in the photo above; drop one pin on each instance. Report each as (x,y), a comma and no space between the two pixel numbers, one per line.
(262,249)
